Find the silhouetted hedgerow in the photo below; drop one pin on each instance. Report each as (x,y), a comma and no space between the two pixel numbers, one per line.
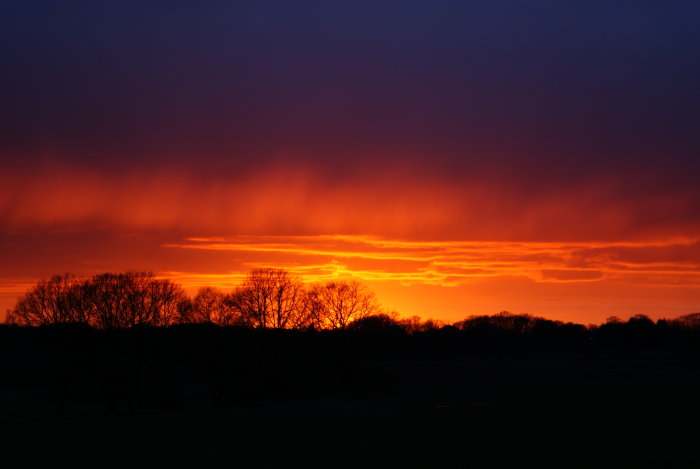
(133,341)
(204,364)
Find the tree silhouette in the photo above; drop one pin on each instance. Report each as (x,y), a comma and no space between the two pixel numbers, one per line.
(59,300)
(336,304)
(133,299)
(691,321)
(105,301)
(210,305)
(268,298)
(377,323)
(271,299)
(505,321)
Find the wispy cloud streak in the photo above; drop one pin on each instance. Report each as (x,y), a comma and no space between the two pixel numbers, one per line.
(450,263)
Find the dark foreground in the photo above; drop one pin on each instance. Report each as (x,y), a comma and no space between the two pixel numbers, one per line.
(193,399)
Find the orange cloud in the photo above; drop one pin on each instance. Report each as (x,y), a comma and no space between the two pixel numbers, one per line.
(391,203)
(571,275)
(478,243)
(442,279)
(447,263)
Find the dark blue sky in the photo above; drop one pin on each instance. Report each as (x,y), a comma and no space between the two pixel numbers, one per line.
(550,87)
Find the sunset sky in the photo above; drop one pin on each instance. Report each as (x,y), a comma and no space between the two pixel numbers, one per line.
(460,158)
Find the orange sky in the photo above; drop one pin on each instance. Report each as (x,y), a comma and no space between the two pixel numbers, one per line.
(460,157)
(427,247)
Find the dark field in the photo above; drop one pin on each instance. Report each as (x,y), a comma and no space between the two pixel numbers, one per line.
(191,397)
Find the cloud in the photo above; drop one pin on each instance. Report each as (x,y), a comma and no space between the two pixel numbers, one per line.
(571,275)
(285,199)
(450,263)
(442,278)
(685,253)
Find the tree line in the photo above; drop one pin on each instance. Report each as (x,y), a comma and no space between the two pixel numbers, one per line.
(138,341)
(268,298)
(273,298)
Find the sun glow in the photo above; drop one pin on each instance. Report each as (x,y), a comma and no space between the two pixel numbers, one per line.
(428,247)
(451,263)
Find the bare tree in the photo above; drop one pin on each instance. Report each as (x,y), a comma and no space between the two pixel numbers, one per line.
(412,325)
(336,304)
(108,303)
(271,299)
(211,305)
(59,300)
(160,300)
(268,298)
(691,321)
(132,299)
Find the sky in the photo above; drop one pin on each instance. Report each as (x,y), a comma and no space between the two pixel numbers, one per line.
(460,158)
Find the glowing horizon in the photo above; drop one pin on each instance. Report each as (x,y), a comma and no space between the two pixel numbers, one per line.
(459,157)
(460,275)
